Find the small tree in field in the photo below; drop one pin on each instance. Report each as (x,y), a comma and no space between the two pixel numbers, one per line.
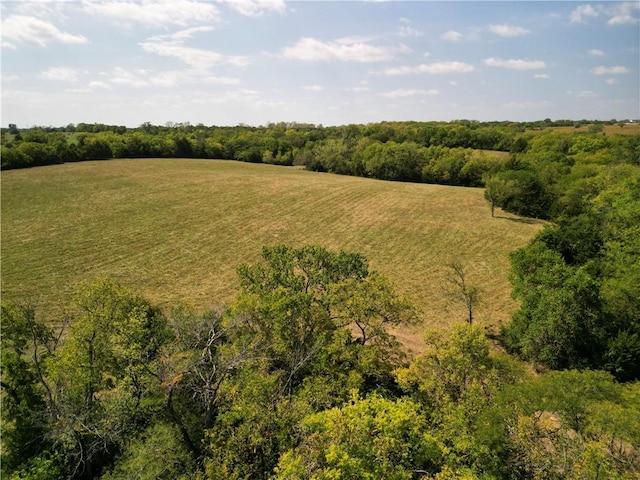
(460,289)
(496,191)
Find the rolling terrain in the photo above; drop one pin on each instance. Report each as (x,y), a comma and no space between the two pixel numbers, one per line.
(175,231)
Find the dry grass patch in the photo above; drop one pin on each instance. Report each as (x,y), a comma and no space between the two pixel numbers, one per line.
(499,154)
(175,230)
(625,129)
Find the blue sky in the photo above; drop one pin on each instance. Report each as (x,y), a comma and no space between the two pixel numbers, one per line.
(332,63)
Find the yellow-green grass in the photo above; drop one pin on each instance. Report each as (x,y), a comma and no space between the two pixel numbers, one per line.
(175,231)
(624,129)
(495,153)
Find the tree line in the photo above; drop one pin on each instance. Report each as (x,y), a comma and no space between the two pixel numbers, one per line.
(523,165)
(282,143)
(299,378)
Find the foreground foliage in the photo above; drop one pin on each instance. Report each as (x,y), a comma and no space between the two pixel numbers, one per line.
(299,378)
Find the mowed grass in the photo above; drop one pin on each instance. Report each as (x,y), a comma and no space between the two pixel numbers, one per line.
(174,231)
(625,129)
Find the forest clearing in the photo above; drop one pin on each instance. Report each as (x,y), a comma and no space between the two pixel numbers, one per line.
(175,231)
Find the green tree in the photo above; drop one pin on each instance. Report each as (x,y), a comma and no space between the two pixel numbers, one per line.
(497,190)
(520,192)
(368,438)
(461,290)
(141,460)
(309,269)
(101,377)
(370,305)
(24,407)
(94,148)
(457,381)
(578,282)
(294,303)
(450,367)
(291,322)
(572,425)
(256,426)
(559,322)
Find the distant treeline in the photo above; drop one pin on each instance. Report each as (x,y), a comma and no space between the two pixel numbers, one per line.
(332,149)
(532,158)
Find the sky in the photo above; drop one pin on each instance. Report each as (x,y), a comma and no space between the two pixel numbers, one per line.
(231,62)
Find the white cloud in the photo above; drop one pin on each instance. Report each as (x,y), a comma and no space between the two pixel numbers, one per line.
(407,31)
(77,90)
(358,89)
(46,9)
(313,88)
(63,74)
(98,84)
(596,53)
(8,45)
(580,13)
(349,49)
(363,87)
(622,14)
(508,30)
(139,78)
(242,95)
(515,64)
(582,93)
(541,76)
(156,13)
(623,20)
(200,60)
(431,68)
(182,35)
(210,78)
(451,36)
(618,13)
(134,78)
(256,7)
(402,48)
(194,57)
(602,70)
(26,29)
(222,98)
(401,93)
(611,81)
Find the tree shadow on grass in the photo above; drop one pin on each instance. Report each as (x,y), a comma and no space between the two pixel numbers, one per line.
(528,221)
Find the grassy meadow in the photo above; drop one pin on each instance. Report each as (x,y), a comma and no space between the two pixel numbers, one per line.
(616,129)
(175,230)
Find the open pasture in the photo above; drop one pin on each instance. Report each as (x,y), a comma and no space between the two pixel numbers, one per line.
(619,129)
(175,230)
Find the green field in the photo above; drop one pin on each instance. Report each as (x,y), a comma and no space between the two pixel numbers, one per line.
(175,230)
(624,129)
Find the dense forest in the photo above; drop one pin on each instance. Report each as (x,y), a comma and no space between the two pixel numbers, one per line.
(299,378)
